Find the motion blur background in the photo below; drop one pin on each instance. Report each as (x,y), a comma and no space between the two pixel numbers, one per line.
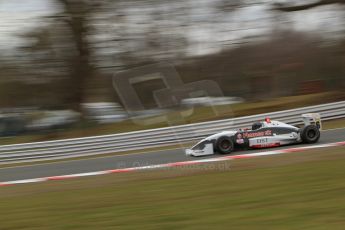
(58,57)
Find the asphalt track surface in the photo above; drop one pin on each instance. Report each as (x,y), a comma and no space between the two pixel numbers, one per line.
(127,161)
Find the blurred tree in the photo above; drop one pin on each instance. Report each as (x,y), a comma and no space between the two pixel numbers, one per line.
(288,8)
(44,64)
(77,14)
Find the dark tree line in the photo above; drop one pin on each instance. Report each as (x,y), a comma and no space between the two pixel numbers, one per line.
(66,49)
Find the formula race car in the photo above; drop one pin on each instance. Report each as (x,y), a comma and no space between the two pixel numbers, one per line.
(262,135)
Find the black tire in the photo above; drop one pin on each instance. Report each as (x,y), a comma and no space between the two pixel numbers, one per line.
(310,134)
(224,145)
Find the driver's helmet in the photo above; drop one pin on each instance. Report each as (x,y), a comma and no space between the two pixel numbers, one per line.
(256,125)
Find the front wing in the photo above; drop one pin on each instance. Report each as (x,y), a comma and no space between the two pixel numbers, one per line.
(207,150)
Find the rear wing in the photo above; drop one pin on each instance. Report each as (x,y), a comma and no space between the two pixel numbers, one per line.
(312,119)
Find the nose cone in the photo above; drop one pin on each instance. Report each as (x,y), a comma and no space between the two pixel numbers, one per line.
(188,152)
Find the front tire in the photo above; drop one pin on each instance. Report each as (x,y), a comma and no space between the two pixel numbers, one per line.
(224,145)
(310,134)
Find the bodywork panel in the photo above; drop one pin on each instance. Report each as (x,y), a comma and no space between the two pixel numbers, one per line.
(269,135)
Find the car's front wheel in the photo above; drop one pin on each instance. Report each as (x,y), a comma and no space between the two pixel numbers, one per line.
(224,145)
(310,134)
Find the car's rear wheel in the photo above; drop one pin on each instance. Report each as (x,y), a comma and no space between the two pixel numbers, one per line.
(310,134)
(224,145)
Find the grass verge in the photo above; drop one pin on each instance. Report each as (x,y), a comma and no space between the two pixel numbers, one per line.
(290,191)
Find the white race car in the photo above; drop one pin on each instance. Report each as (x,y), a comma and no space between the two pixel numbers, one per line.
(263,134)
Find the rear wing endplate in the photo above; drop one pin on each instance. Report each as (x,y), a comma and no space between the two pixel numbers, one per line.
(312,118)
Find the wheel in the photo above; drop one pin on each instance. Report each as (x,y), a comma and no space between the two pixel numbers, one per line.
(224,145)
(310,134)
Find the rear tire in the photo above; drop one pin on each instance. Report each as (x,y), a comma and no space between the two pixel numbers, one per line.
(224,145)
(310,134)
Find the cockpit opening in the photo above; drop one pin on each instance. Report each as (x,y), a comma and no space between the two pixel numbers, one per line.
(256,125)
